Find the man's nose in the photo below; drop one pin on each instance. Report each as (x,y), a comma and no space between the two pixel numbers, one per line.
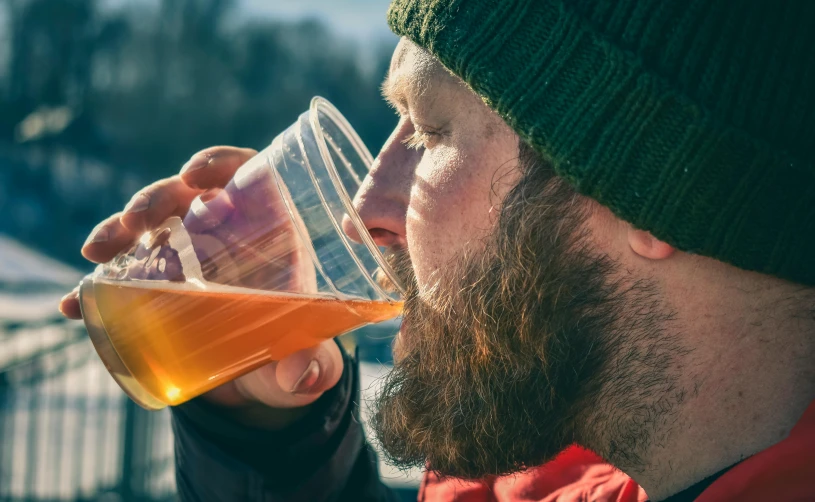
(382,199)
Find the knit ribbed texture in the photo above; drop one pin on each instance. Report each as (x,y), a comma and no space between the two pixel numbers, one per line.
(693,120)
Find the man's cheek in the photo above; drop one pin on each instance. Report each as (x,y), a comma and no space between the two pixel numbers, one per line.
(448,211)
(425,262)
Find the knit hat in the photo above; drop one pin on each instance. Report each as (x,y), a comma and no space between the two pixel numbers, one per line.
(694,120)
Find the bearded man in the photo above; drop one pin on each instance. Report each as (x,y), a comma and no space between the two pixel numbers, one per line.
(604,215)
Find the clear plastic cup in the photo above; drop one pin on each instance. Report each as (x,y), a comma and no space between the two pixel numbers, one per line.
(251,274)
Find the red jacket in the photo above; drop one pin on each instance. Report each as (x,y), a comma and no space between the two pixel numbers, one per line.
(783,472)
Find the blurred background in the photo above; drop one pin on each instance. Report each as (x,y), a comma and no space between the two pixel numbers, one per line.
(97,99)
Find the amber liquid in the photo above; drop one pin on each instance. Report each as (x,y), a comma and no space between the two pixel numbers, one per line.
(179,342)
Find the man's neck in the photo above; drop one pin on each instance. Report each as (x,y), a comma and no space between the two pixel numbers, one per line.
(754,387)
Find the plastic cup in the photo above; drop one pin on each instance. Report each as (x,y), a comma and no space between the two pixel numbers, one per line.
(253,272)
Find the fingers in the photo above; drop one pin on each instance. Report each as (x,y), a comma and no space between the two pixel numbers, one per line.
(213,167)
(157,202)
(69,305)
(107,240)
(209,168)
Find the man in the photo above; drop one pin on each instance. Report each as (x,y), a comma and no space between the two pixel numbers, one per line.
(604,214)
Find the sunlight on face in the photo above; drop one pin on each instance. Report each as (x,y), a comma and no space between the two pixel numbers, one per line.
(464,160)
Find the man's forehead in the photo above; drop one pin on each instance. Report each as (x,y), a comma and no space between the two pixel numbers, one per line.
(414,73)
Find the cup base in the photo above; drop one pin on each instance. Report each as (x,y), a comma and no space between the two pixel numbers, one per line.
(110,358)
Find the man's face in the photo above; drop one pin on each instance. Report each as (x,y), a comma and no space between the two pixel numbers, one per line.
(519,334)
(434,187)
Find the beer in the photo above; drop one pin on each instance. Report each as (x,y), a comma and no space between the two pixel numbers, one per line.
(179,341)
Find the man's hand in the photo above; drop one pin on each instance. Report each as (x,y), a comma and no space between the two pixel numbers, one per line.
(292,383)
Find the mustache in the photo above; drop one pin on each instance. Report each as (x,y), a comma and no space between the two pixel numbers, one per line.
(398,259)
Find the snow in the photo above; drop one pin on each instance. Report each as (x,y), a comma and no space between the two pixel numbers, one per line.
(20,265)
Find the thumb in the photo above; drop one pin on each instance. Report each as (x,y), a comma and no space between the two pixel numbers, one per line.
(311,371)
(297,380)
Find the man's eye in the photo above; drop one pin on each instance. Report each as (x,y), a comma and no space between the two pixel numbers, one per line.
(419,140)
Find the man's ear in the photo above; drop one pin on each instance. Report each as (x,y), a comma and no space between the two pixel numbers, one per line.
(648,246)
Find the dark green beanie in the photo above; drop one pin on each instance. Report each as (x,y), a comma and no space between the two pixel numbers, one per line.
(694,120)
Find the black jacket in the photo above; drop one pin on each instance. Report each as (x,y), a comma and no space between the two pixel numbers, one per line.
(323,457)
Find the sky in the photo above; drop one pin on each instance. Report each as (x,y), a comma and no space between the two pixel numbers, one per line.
(362,20)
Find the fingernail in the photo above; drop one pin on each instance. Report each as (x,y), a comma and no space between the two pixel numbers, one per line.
(209,194)
(101,235)
(197,161)
(307,380)
(138,203)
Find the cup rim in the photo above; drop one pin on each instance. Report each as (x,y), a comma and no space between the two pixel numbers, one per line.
(320,104)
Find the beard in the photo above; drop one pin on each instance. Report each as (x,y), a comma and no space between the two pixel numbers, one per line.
(524,347)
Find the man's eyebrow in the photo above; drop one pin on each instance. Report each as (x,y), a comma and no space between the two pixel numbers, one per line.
(394,90)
